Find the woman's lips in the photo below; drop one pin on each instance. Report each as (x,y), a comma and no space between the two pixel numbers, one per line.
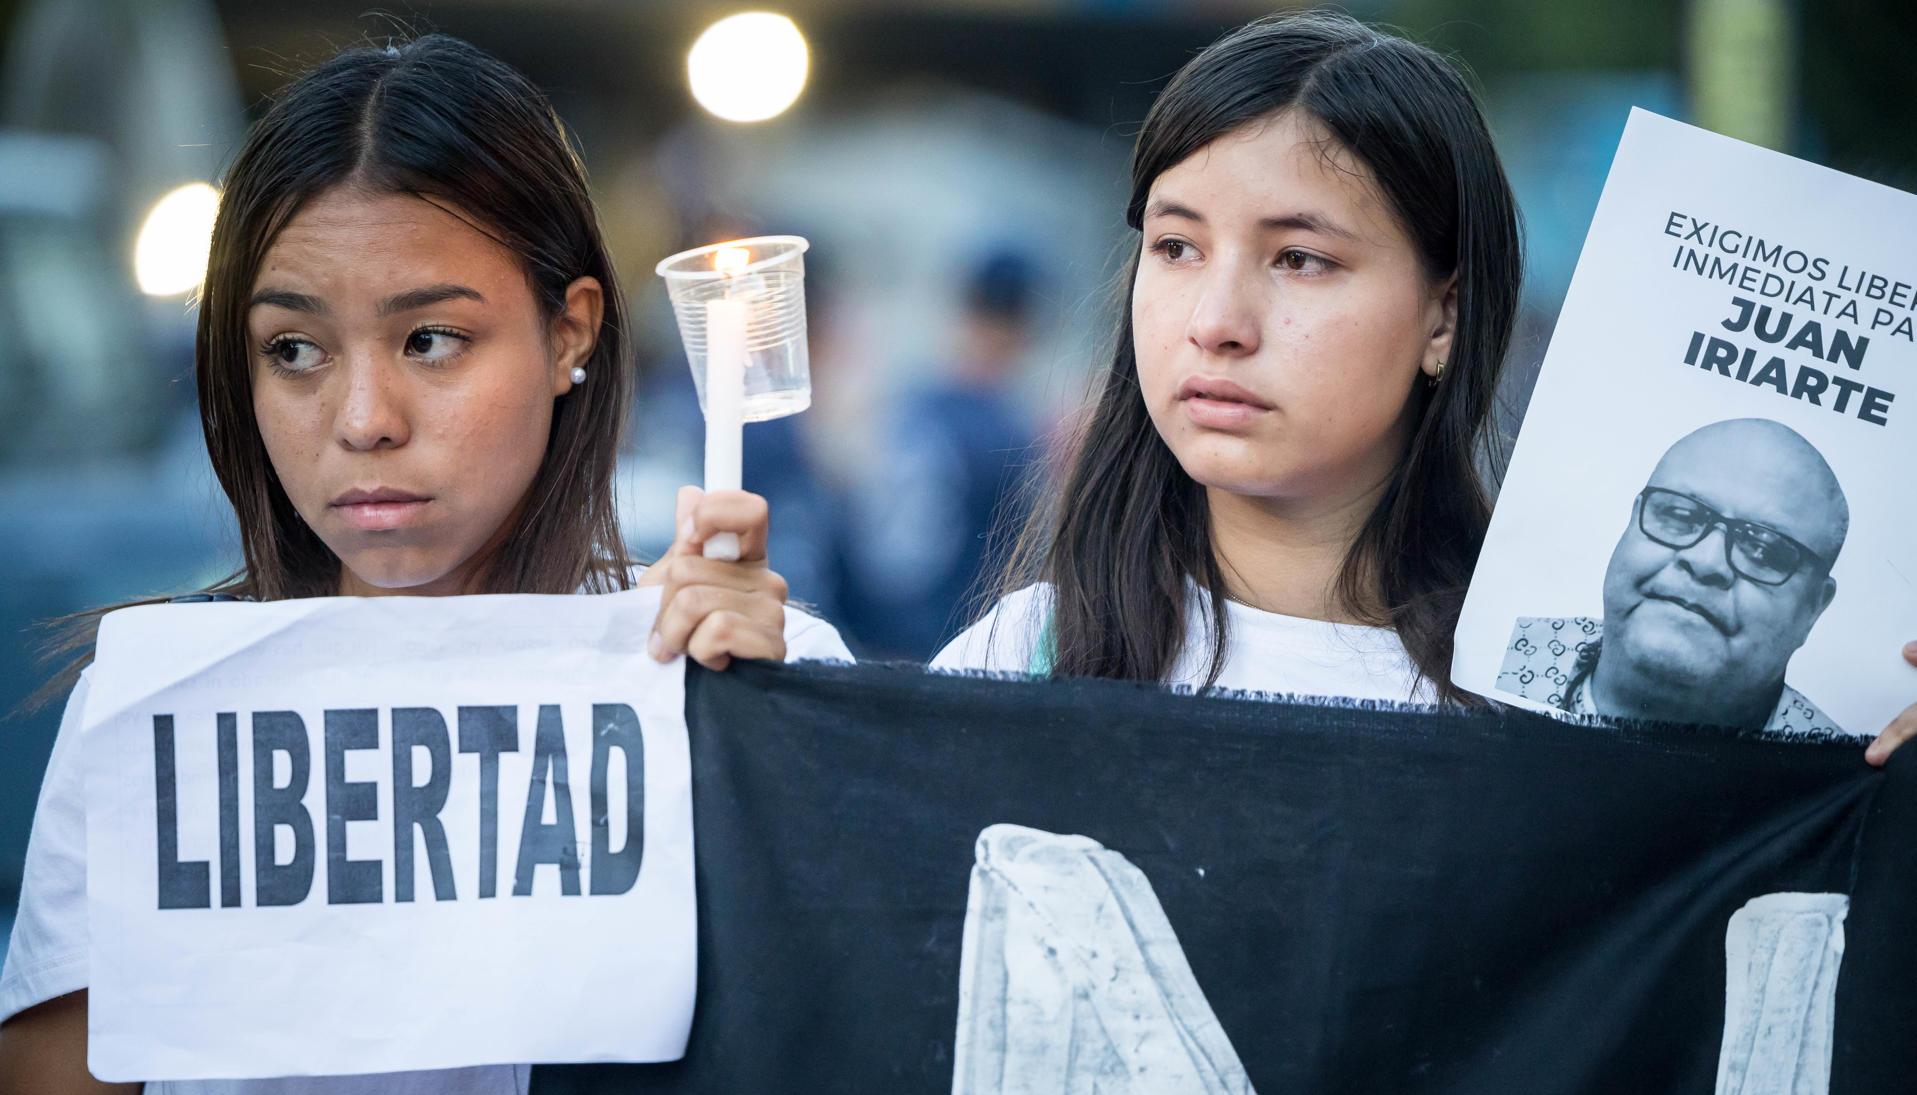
(1216,403)
(380,509)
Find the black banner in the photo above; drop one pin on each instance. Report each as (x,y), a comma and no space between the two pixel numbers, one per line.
(1366,900)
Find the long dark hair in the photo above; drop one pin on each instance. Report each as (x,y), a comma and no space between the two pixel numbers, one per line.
(1127,531)
(440,119)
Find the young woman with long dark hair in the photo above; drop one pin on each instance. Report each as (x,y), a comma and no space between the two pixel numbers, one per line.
(1281,482)
(1284,479)
(412,378)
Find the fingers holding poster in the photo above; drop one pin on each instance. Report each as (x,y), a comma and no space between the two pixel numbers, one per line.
(1705,519)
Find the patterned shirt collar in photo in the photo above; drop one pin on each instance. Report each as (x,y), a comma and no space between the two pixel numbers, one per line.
(1536,657)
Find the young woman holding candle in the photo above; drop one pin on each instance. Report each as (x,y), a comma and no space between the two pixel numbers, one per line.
(1283,481)
(412,374)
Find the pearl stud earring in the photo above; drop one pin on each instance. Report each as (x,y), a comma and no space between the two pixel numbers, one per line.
(578,374)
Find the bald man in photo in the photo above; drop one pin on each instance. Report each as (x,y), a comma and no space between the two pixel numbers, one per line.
(1723,569)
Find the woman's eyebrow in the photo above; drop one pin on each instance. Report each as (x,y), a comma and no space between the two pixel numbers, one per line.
(1310,222)
(1166,208)
(428,296)
(286,298)
(423,297)
(1307,221)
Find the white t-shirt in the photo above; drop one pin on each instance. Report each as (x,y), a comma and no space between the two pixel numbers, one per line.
(1266,652)
(47,957)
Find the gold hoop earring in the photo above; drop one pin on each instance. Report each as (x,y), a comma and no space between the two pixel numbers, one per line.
(1432,380)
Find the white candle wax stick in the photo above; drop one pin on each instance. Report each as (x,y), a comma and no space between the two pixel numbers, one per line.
(725,409)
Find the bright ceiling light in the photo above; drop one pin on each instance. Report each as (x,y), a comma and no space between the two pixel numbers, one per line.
(169,257)
(748,67)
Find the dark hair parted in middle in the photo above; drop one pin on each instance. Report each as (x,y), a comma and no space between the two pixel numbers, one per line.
(1128,530)
(446,122)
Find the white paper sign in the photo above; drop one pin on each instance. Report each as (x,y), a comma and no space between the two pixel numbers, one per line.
(345,836)
(1708,515)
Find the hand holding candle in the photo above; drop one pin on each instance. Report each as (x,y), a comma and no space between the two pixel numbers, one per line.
(741,312)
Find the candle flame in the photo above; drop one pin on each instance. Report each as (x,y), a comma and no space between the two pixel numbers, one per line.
(730,260)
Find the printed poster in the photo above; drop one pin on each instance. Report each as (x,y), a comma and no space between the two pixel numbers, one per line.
(1709,513)
(345,835)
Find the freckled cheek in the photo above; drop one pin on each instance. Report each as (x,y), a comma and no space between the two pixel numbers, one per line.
(1158,330)
(494,439)
(1335,340)
(294,436)
(1372,332)
(1352,373)
(1308,375)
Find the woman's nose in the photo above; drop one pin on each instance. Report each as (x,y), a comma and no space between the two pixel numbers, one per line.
(1225,320)
(372,412)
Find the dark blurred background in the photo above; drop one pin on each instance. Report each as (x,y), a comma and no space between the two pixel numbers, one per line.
(959,166)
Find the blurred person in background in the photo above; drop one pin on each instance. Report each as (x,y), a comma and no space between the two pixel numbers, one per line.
(917,534)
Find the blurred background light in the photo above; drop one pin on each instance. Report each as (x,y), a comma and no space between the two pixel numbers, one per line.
(748,67)
(170,255)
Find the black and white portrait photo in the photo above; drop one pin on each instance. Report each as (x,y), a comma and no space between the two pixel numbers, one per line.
(1706,518)
(1722,570)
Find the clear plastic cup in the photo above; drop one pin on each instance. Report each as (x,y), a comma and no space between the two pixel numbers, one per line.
(769,278)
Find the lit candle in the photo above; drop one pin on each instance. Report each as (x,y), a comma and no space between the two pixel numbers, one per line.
(725,392)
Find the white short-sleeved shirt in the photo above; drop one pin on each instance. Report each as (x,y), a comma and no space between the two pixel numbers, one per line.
(1266,652)
(47,957)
